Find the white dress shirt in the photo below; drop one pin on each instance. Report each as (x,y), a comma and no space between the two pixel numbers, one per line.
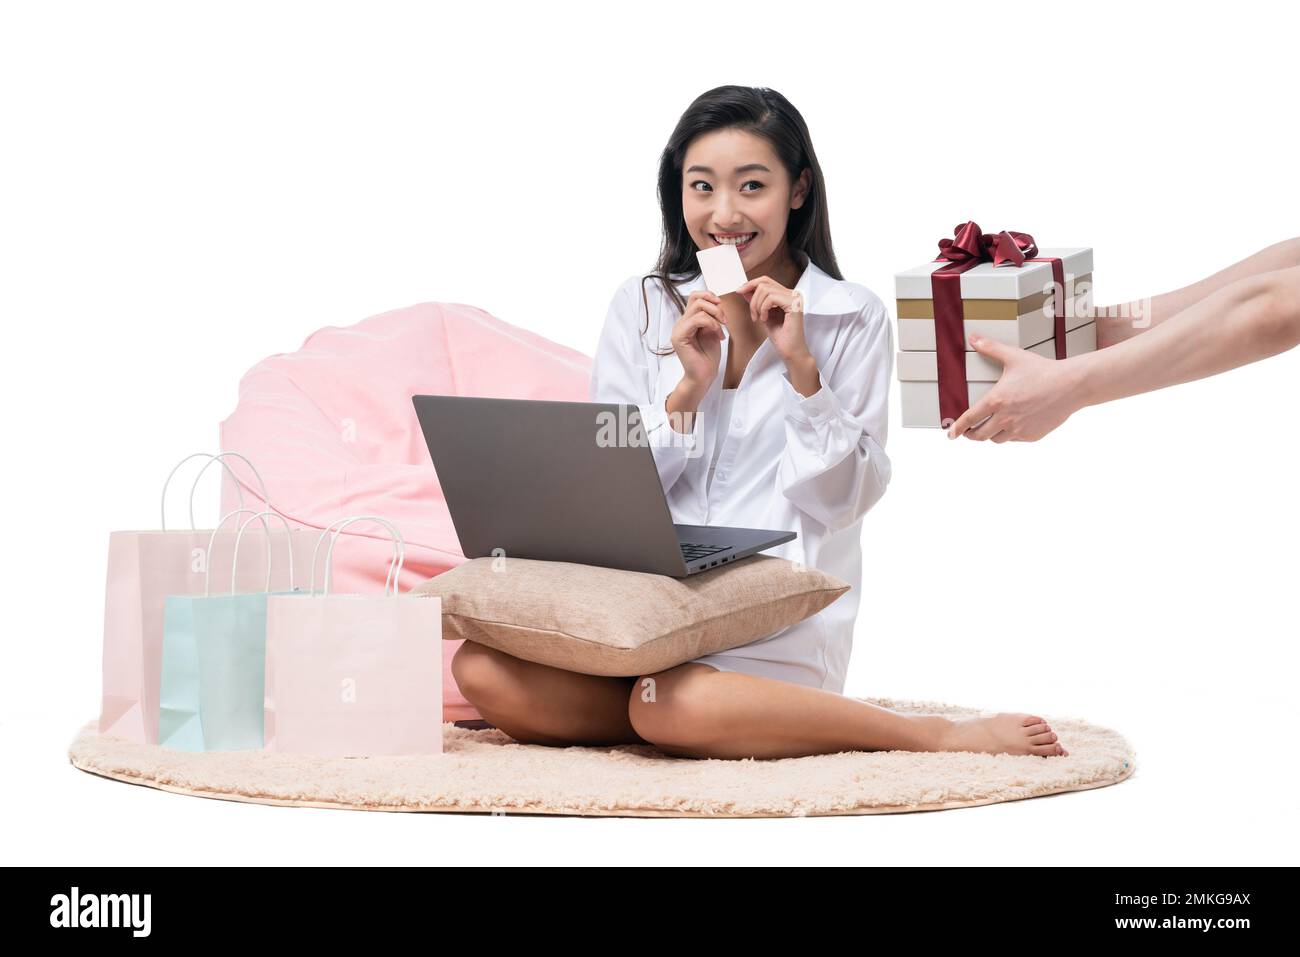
(720,430)
(809,464)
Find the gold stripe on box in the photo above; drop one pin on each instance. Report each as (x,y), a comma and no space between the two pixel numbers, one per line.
(983,308)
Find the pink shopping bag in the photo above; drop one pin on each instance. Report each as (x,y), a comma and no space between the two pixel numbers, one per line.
(354,675)
(146,566)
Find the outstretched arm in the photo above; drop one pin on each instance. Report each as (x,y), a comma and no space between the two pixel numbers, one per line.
(1241,321)
(1117,323)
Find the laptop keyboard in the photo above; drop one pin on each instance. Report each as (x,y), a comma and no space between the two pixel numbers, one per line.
(692,551)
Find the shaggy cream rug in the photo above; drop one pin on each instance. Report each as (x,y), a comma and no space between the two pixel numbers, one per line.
(485,771)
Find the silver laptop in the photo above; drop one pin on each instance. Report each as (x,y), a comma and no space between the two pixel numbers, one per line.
(533,478)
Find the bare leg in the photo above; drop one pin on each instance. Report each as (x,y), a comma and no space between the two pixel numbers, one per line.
(1115,323)
(538,704)
(694,710)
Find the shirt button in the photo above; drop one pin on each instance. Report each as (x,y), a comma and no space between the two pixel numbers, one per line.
(736,424)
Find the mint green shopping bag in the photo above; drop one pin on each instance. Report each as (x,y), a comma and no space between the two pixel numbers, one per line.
(214,661)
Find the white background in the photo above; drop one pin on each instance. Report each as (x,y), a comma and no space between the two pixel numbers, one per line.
(188,188)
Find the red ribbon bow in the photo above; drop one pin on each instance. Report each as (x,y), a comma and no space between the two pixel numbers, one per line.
(968,248)
(998,248)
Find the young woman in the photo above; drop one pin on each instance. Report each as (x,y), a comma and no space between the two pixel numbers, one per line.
(767,408)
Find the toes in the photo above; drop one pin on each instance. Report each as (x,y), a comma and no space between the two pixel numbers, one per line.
(1038,729)
(1052,749)
(1047,738)
(1032,719)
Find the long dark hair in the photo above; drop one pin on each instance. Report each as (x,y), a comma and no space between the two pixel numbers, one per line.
(762,112)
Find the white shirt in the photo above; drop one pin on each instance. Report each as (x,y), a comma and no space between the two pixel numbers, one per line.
(813,465)
(719,430)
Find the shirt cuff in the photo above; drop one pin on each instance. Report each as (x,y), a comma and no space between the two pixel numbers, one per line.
(811,409)
(659,430)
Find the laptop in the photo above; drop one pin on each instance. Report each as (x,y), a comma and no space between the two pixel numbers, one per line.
(550,480)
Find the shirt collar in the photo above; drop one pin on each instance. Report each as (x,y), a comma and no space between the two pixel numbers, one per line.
(823,295)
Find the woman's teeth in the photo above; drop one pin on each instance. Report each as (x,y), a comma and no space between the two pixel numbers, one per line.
(734,240)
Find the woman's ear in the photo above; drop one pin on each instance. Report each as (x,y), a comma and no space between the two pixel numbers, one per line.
(801,187)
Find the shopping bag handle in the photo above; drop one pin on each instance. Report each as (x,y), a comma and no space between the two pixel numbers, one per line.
(394,568)
(234,561)
(220,457)
(212,540)
(348,518)
(211,458)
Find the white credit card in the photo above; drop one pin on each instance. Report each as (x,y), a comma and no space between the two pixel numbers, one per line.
(723,272)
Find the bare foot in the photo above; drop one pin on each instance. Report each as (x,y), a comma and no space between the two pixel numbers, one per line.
(1002,734)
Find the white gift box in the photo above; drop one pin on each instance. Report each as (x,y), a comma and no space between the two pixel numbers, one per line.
(1014,305)
(918,375)
(987,281)
(1037,323)
(1008,304)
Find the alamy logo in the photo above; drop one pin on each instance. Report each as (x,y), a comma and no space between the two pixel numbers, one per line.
(101,910)
(620,430)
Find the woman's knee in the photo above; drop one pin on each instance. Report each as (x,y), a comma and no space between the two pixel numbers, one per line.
(478,670)
(672,707)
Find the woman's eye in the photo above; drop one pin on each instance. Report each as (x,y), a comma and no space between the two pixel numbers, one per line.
(752,182)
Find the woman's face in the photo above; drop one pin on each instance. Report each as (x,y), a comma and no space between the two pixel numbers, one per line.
(733,185)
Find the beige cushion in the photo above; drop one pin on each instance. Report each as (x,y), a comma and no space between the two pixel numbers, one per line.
(604,621)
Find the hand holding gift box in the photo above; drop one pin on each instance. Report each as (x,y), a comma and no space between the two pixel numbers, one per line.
(1243,313)
(994,285)
(1033,395)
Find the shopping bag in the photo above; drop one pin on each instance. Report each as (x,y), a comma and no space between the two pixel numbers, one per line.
(146,566)
(213,662)
(354,675)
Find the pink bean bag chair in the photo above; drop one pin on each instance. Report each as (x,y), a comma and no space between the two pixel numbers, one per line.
(332,430)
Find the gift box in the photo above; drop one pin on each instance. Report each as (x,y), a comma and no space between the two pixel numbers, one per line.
(918,375)
(1000,286)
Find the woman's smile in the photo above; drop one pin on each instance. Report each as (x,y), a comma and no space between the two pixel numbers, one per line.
(741,241)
